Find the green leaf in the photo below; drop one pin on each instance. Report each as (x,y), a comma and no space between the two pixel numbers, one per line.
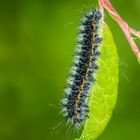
(104,93)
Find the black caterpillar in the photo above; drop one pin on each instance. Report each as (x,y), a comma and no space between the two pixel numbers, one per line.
(75,102)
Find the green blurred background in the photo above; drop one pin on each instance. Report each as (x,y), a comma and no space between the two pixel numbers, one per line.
(37,41)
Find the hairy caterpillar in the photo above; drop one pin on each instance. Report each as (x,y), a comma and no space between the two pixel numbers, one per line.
(77,93)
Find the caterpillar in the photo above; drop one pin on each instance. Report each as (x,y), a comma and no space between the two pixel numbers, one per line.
(77,93)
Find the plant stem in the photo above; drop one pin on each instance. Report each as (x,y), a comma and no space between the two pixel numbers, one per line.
(128,31)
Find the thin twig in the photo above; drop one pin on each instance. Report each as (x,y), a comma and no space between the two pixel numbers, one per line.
(128,31)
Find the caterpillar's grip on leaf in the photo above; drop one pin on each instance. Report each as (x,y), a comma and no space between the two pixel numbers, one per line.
(92,86)
(104,92)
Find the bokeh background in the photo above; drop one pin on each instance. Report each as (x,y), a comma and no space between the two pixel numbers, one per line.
(37,41)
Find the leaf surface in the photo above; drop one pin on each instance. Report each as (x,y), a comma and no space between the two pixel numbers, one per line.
(105,89)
